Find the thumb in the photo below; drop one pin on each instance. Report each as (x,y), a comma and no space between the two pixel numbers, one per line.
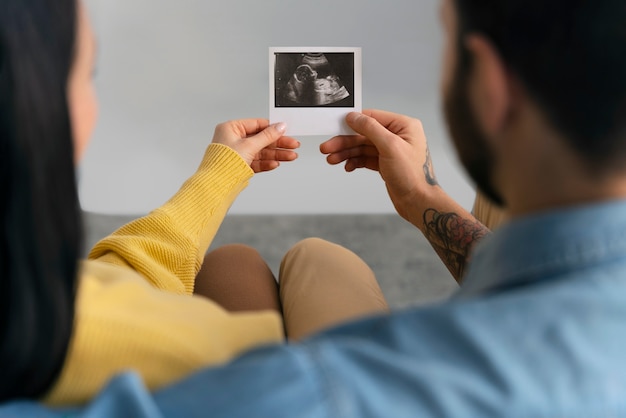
(371,129)
(268,136)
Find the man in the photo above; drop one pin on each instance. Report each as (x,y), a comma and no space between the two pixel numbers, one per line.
(536,104)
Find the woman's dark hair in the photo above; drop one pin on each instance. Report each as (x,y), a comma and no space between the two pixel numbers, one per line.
(571,56)
(40,231)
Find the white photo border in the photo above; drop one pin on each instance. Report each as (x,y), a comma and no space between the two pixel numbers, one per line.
(304,121)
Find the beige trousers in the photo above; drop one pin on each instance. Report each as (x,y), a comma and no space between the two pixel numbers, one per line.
(321,284)
(488,213)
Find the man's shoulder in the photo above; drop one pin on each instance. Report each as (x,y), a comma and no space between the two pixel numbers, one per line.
(547,349)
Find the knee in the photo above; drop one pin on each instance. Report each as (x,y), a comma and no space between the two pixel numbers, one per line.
(312,242)
(309,246)
(311,251)
(230,251)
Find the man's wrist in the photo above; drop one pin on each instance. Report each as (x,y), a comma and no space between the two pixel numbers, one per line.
(427,197)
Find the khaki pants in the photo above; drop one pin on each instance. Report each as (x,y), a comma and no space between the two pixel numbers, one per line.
(321,284)
(487,213)
(324,284)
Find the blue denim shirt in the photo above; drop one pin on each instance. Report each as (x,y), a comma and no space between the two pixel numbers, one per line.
(537,330)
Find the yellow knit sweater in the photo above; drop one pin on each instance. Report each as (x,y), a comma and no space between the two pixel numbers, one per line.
(135,308)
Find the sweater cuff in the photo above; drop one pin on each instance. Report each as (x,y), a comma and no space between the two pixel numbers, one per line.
(222,175)
(221,156)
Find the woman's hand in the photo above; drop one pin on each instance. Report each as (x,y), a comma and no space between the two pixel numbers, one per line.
(262,146)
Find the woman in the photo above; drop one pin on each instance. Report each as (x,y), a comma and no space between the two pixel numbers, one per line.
(66,328)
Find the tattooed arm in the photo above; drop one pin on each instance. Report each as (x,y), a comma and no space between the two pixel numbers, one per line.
(453,237)
(396,147)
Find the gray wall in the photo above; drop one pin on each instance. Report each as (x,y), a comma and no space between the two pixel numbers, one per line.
(169,71)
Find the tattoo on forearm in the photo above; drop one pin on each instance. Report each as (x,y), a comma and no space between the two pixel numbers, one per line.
(429,172)
(453,237)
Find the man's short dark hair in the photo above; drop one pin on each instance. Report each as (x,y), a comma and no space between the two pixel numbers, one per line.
(571,57)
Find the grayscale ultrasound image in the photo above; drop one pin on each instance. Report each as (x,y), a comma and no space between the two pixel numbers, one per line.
(314,79)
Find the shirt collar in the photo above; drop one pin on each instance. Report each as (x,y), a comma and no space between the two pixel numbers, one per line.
(543,246)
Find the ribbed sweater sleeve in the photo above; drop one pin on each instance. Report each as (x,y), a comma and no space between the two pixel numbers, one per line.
(168,245)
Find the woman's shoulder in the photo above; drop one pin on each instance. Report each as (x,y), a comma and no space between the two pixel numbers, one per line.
(124,323)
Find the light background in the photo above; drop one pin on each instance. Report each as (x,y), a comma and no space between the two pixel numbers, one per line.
(169,71)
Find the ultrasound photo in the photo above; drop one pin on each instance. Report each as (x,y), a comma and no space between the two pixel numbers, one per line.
(314,79)
(312,89)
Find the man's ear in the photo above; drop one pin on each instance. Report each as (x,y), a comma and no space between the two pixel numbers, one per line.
(489,87)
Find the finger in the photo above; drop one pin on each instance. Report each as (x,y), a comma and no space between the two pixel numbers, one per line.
(340,143)
(240,128)
(286,142)
(361,162)
(362,151)
(249,127)
(386,118)
(268,136)
(405,126)
(260,166)
(372,129)
(277,155)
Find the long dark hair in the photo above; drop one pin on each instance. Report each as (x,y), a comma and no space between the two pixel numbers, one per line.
(40,231)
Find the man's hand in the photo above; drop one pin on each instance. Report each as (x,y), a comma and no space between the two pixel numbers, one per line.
(262,146)
(393,145)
